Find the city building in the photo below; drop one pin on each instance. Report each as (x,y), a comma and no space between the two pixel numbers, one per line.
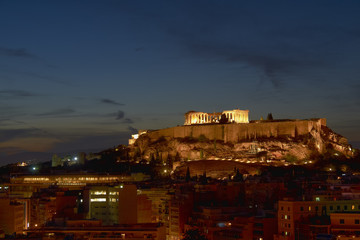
(112,205)
(11,216)
(90,229)
(345,225)
(291,213)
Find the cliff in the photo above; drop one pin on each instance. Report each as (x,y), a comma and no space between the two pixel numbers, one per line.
(262,141)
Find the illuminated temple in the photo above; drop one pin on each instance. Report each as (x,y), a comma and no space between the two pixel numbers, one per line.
(233,116)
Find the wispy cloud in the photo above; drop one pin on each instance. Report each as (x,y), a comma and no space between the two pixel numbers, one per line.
(16,52)
(58,112)
(95,142)
(17,93)
(128,121)
(132,129)
(270,65)
(109,101)
(120,115)
(8,134)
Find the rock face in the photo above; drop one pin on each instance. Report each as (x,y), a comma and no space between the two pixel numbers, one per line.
(294,147)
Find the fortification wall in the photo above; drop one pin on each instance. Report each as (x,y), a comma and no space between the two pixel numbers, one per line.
(236,132)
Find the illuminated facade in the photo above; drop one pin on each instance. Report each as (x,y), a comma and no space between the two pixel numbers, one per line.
(291,212)
(112,205)
(233,116)
(69,180)
(11,216)
(345,225)
(149,231)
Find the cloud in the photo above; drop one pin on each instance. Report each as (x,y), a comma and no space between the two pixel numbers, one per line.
(120,115)
(139,49)
(8,134)
(87,143)
(13,74)
(127,121)
(44,77)
(58,112)
(16,52)
(132,129)
(112,102)
(16,93)
(270,65)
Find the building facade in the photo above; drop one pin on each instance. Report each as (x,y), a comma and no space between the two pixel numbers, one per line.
(233,116)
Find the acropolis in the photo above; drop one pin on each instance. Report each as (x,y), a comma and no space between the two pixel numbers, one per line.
(233,116)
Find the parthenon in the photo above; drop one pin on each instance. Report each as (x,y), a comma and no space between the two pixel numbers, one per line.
(233,116)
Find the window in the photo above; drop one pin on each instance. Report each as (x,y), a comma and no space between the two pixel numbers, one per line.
(331,208)
(352,207)
(288,208)
(357,221)
(309,208)
(345,207)
(282,208)
(342,221)
(302,208)
(316,208)
(317,199)
(337,207)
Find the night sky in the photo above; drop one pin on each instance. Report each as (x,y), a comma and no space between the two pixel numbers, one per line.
(85,75)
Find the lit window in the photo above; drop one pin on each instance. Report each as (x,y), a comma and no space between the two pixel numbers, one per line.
(309,208)
(317,199)
(98,200)
(352,207)
(99,193)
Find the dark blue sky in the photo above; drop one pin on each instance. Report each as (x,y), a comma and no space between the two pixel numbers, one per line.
(83,75)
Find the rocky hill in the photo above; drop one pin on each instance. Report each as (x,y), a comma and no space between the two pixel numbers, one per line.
(267,150)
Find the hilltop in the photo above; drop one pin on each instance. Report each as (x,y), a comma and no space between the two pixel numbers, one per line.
(273,143)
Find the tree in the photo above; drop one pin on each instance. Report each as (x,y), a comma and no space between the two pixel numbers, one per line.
(238,176)
(203,178)
(187,177)
(223,119)
(269,117)
(193,234)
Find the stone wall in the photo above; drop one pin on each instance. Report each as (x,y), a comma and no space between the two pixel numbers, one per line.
(236,132)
